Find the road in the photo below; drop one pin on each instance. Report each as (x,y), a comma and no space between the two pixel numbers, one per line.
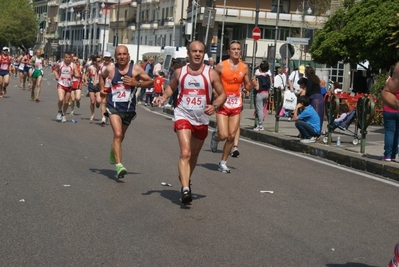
(62,206)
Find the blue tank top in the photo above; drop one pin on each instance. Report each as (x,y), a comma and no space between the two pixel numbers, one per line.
(122,97)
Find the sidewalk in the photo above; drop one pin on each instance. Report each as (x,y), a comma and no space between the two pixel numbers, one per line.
(346,154)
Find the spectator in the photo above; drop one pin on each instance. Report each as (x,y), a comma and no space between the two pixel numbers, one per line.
(359,83)
(323,88)
(294,78)
(211,63)
(158,86)
(308,121)
(262,88)
(158,67)
(390,96)
(314,93)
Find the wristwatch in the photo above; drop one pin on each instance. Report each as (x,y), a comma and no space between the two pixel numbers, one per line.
(138,84)
(216,107)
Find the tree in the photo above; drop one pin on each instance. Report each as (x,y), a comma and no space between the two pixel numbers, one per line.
(358,32)
(18,26)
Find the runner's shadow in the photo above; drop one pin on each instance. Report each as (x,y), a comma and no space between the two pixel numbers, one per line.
(174,196)
(110,174)
(213,167)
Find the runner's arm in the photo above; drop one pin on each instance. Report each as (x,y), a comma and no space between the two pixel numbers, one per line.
(140,78)
(218,87)
(248,84)
(55,72)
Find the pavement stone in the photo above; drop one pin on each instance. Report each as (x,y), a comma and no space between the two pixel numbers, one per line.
(346,154)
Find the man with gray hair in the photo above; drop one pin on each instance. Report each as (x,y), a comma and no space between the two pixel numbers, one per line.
(158,67)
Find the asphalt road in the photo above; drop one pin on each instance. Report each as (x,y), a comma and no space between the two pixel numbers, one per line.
(61,205)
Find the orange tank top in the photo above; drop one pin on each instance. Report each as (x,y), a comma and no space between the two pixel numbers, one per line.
(232,81)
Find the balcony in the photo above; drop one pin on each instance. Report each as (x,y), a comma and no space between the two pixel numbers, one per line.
(247,15)
(118,25)
(131,26)
(168,22)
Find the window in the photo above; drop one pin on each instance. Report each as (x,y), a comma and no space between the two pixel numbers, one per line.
(284,6)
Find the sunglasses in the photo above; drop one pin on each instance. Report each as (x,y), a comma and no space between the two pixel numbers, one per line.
(235,42)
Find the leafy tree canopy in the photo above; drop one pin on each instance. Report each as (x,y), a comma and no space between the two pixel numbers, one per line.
(358,32)
(18,24)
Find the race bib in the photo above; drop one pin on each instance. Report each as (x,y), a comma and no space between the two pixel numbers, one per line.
(121,93)
(4,66)
(65,82)
(233,101)
(194,102)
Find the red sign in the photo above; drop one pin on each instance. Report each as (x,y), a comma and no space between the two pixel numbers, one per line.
(256,34)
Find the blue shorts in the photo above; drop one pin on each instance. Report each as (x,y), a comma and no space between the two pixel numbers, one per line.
(4,72)
(26,69)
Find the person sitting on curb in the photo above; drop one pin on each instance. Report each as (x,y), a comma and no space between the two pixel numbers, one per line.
(308,121)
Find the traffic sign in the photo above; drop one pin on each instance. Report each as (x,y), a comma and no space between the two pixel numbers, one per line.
(256,34)
(299,41)
(287,48)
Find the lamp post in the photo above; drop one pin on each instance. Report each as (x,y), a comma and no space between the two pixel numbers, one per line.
(105,24)
(71,10)
(309,11)
(138,29)
(181,23)
(116,37)
(64,28)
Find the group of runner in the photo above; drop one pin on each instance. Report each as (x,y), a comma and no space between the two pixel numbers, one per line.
(113,86)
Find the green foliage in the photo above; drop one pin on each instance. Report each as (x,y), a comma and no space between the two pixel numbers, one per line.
(357,33)
(17,23)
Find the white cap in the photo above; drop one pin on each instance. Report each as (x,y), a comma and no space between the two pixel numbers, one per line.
(107,54)
(31,52)
(6,48)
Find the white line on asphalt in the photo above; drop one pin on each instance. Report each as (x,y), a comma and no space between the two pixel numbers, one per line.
(308,157)
(334,165)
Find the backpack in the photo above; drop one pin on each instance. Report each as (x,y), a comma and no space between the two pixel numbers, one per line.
(150,71)
(264,82)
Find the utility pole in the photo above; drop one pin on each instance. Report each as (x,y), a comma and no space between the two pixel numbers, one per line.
(181,23)
(116,39)
(138,30)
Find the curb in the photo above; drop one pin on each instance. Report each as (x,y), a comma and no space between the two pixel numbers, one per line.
(339,156)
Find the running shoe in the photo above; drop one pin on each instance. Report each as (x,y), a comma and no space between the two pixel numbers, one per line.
(59,116)
(308,141)
(72,112)
(92,117)
(234,152)
(111,157)
(37,99)
(78,104)
(186,197)
(214,143)
(69,103)
(223,168)
(259,128)
(103,120)
(120,171)
(63,118)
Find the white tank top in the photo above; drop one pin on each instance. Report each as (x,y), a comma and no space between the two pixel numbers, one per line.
(194,93)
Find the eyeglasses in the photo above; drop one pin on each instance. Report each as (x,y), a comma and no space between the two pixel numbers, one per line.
(235,42)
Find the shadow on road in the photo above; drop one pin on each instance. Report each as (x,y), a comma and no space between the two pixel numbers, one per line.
(213,167)
(174,196)
(110,174)
(349,264)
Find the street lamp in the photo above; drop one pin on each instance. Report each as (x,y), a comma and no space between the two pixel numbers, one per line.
(308,12)
(138,26)
(105,23)
(71,10)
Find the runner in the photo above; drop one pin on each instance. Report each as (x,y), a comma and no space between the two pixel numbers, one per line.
(76,91)
(233,73)
(37,62)
(194,83)
(92,80)
(107,86)
(121,105)
(5,62)
(64,72)
(21,67)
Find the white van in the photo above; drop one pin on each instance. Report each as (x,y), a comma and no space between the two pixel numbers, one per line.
(178,53)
